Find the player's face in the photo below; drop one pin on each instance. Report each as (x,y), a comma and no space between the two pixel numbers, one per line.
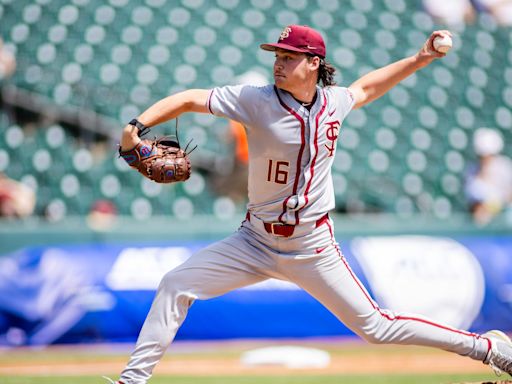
(291,70)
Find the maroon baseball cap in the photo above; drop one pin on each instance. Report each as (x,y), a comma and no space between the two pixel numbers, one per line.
(299,38)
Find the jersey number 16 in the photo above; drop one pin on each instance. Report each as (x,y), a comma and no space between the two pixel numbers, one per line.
(278,173)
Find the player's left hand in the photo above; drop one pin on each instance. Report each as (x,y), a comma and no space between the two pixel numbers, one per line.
(427,52)
(162,160)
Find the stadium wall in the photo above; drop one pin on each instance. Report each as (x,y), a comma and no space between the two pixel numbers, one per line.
(70,283)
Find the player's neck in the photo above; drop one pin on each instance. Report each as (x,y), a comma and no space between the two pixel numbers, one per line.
(307,104)
(305,96)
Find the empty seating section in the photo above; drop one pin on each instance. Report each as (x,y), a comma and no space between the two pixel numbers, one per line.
(406,153)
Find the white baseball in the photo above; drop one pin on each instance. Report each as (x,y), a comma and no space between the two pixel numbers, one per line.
(442,43)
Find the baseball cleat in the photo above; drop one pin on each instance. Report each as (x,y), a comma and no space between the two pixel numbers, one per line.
(499,357)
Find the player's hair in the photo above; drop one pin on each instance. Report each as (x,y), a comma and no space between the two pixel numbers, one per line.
(326,72)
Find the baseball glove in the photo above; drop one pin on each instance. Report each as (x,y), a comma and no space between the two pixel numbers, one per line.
(161,160)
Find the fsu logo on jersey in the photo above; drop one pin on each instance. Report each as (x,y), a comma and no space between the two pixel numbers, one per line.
(286,32)
(332,131)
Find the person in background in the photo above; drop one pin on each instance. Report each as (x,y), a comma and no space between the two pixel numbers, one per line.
(454,13)
(7,62)
(500,10)
(16,199)
(102,215)
(489,182)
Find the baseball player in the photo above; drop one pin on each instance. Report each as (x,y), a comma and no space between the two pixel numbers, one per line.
(292,127)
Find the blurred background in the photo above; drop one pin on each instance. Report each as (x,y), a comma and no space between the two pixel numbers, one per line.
(84,239)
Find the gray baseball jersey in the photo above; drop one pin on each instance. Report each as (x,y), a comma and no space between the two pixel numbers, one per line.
(291,148)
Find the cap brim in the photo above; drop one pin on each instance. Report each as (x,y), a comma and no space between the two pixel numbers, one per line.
(273,47)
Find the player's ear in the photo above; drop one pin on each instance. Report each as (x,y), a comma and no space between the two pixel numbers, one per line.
(314,62)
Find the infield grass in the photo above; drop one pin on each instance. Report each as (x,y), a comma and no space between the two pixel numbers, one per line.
(338,379)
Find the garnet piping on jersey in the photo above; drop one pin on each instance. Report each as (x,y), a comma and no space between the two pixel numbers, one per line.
(209,101)
(315,142)
(395,318)
(299,158)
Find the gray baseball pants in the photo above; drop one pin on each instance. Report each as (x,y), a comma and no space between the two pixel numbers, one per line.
(311,259)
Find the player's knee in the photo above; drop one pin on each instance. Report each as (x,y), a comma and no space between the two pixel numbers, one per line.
(175,288)
(370,328)
(171,283)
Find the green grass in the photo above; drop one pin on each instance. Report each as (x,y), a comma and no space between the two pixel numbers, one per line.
(338,379)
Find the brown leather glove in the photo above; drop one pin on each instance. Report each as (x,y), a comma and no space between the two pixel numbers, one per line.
(161,160)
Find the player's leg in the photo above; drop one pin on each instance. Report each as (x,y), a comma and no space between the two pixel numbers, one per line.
(329,278)
(213,271)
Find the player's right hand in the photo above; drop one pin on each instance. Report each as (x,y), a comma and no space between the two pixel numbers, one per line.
(427,52)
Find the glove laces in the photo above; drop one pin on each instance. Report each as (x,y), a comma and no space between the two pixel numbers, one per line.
(170,142)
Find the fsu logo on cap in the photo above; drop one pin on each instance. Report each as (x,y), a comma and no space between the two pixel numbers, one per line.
(299,38)
(286,32)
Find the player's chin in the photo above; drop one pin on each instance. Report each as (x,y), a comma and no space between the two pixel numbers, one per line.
(280,82)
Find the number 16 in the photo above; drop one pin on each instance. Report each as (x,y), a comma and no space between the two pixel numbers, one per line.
(280,174)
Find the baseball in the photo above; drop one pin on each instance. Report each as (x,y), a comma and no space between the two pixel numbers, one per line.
(442,43)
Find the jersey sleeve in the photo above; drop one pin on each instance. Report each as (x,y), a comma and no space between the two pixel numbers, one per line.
(237,102)
(346,100)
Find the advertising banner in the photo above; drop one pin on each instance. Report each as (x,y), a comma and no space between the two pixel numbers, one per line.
(102,293)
